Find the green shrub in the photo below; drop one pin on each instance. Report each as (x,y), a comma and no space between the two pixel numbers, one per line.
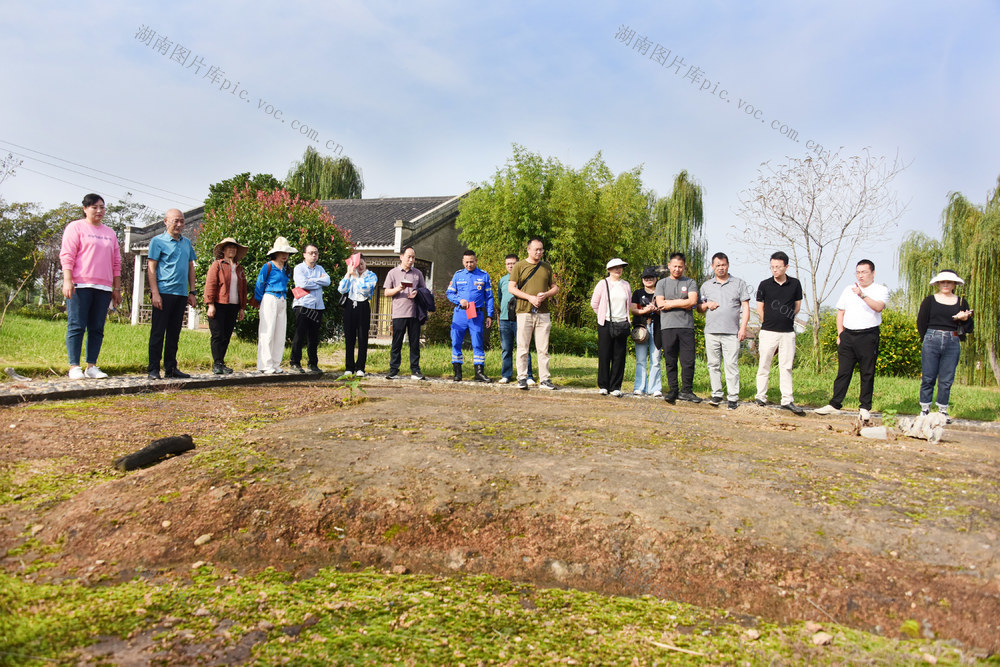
(256,219)
(42,311)
(579,341)
(899,343)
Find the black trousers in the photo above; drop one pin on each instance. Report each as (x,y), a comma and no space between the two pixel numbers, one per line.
(857,348)
(411,327)
(307,321)
(678,344)
(610,358)
(357,322)
(222,326)
(166,331)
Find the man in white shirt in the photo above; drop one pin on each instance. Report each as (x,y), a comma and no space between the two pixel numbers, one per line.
(859,315)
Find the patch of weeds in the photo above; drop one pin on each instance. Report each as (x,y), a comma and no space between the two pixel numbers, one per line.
(369,617)
(233,461)
(42,482)
(167,497)
(392,531)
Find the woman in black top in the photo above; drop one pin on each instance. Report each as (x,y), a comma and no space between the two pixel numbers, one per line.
(943,321)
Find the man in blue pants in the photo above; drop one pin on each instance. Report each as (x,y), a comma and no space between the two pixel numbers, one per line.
(470,287)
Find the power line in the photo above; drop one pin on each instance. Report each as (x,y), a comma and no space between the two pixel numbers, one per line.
(74,171)
(77,164)
(82,187)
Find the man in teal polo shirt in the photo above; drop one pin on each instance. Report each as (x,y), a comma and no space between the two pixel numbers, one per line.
(170,271)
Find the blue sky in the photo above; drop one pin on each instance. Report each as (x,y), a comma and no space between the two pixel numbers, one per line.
(427,97)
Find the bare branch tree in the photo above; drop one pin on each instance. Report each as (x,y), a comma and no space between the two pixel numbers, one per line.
(820,209)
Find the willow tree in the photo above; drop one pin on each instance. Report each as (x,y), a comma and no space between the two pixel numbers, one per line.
(678,222)
(820,210)
(970,245)
(320,177)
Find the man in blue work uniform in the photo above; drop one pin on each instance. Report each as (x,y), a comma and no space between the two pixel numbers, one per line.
(470,286)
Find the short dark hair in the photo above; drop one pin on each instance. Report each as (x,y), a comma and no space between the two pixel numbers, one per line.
(720,255)
(871,264)
(510,256)
(469,253)
(310,245)
(678,255)
(535,238)
(781,257)
(92,199)
(405,248)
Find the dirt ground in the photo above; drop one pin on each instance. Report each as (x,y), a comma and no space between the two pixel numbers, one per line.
(756,511)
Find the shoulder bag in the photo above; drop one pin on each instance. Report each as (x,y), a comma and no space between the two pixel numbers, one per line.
(617,329)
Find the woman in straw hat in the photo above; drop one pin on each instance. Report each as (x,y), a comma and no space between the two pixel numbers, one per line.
(226,298)
(270,292)
(943,320)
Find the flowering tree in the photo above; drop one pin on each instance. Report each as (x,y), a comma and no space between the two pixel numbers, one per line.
(256,219)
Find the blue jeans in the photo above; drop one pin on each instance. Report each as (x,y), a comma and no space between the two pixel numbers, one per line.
(647,383)
(938,361)
(86,311)
(508,344)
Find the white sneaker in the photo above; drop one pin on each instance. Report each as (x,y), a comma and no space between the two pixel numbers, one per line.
(359,374)
(279,369)
(503,380)
(76,373)
(267,371)
(347,374)
(530,382)
(616,393)
(95,373)
(603,392)
(865,415)
(637,392)
(827,410)
(657,394)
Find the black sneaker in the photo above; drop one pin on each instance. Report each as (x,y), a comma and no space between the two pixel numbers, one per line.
(226,369)
(671,396)
(689,397)
(794,409)
(174,373)
(522,384)
(217,369)
(548,385)
(296,368)
(393,375)
(418,376)
(759,402)
(153,375)
(732,405)
(715,401)
(313,368)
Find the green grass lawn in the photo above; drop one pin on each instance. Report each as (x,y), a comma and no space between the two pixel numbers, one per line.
(38,348)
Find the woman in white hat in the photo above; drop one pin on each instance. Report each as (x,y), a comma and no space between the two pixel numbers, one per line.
(270,291)
(610,301)
(943,320)
(225,297)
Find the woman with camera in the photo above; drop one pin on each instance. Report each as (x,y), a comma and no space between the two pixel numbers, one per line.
(645,319)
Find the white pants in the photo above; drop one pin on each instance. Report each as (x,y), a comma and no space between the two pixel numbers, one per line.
(723,349)
(782,342)
(271,333)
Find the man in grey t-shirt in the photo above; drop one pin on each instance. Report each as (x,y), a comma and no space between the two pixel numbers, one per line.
(676,297)
(725,300)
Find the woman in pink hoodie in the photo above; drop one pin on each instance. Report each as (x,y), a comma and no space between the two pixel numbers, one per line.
(92,266)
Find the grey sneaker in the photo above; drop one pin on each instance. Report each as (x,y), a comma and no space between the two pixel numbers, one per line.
(547,384)
(732,405)
(715,401)
(522,384)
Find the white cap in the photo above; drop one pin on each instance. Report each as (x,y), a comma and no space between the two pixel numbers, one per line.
(616,262)
(947,275)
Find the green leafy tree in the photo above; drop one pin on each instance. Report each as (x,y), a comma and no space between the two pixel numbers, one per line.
(220,193)
(970,245)
(21,231)
(256,219)
(585,217)
(320,177)
(678,222)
